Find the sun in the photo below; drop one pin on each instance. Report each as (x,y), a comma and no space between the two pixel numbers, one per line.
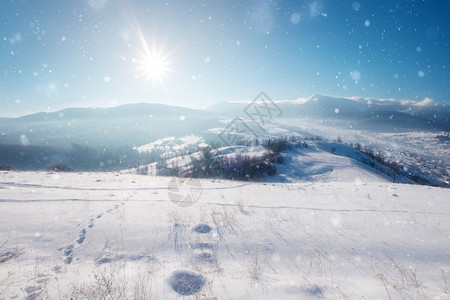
(154,64)
(155,67)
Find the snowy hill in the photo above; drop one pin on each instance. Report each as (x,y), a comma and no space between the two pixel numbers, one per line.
(311,161)
(331,162)
(111,235)
(304,161)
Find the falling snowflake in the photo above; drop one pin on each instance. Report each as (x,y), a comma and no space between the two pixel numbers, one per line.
(355,75)
(295,18)
(356,6)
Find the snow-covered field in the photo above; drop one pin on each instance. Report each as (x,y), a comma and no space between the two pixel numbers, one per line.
(100,235)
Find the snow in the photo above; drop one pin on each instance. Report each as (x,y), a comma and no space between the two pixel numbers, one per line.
(327,162)
(88,235)
(170,143)
(317,162)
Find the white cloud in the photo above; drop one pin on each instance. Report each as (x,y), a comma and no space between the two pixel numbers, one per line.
(426,102)
(370,101)
(408,102)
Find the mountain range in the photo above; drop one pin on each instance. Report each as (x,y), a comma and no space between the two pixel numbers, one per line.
(414,134)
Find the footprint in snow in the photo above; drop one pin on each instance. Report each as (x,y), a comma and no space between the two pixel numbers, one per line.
(68,260)
(202,228)
(43,279)
(68,250)
(203,246)
(81,236)
(186,283)
(57,269)
(206,257)
(104,260)
(314,290)
(33,291)
(67,253)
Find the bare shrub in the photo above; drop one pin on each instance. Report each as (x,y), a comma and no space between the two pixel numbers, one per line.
(105,285)
(8,254)
(254,268)
(446,285)
(240,205)
(59,168)
(400,279)
(245,167)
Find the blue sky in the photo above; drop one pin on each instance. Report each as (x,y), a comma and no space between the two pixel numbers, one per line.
(56,54)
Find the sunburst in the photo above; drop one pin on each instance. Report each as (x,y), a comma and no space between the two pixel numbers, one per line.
(153,63)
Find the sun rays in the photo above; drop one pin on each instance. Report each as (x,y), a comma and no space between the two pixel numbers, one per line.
(153,62)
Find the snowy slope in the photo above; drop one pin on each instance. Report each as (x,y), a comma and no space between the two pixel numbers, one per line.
(328,162)
(89,235)
(317,162)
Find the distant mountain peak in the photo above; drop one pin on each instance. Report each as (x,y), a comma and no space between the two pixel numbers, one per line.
(315,97)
